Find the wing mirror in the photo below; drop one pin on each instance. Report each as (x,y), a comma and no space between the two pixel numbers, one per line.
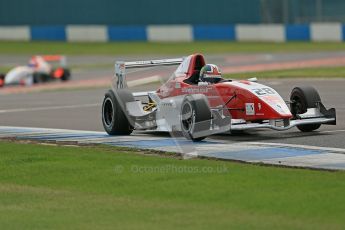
(253,79)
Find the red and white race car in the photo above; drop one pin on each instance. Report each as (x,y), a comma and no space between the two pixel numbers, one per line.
(39,69)
(197,109)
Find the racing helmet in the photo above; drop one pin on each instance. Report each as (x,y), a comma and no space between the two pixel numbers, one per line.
(210,73)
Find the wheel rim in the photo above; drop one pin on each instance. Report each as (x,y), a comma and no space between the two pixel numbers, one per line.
(187,117)
(298,108)
(108,112)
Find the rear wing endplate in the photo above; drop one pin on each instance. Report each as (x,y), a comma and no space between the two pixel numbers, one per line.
(121,66)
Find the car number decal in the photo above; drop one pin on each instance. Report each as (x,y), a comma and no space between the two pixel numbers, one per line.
(264,91)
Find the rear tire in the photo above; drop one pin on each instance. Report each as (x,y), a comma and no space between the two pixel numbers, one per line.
(66,75)
(303,98)
(114,120)
(195,109)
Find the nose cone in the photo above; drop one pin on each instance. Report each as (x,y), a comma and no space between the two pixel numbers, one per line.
(18,74)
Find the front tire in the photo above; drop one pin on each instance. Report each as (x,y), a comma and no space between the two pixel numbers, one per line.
(2,80)
(195,116)
(303,98)
(114,119)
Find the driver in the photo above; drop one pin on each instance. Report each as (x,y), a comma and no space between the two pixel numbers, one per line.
(210,73)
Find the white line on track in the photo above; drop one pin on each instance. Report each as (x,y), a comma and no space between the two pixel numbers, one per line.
(48,108)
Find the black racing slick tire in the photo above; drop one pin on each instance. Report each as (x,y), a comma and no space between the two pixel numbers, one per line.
(66,75)
(114,119)
(195,116)
(301,99)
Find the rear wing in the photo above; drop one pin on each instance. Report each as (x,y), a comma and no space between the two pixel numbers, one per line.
(121,66)
(53,58)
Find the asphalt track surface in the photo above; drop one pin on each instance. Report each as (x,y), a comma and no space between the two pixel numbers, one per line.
(91,71)
(222,60)
(80,109)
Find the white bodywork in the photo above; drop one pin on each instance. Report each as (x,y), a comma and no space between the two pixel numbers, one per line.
(20,75)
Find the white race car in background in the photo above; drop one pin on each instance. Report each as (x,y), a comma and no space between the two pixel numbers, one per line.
(40,69)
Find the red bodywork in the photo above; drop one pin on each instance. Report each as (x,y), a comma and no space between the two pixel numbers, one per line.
(250,101)
(58,73)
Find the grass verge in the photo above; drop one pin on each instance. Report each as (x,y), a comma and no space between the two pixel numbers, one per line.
(323,72)
(167,48)
(4,69)
(49,187)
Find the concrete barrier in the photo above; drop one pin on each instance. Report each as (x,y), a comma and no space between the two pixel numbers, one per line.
(127,33)
(214,32)
(15,33)
(319,32)
(297,32)
(267,33)
(52,33)
(87,33)
(169,33)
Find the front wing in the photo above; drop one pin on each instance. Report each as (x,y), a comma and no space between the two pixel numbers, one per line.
(318,115)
